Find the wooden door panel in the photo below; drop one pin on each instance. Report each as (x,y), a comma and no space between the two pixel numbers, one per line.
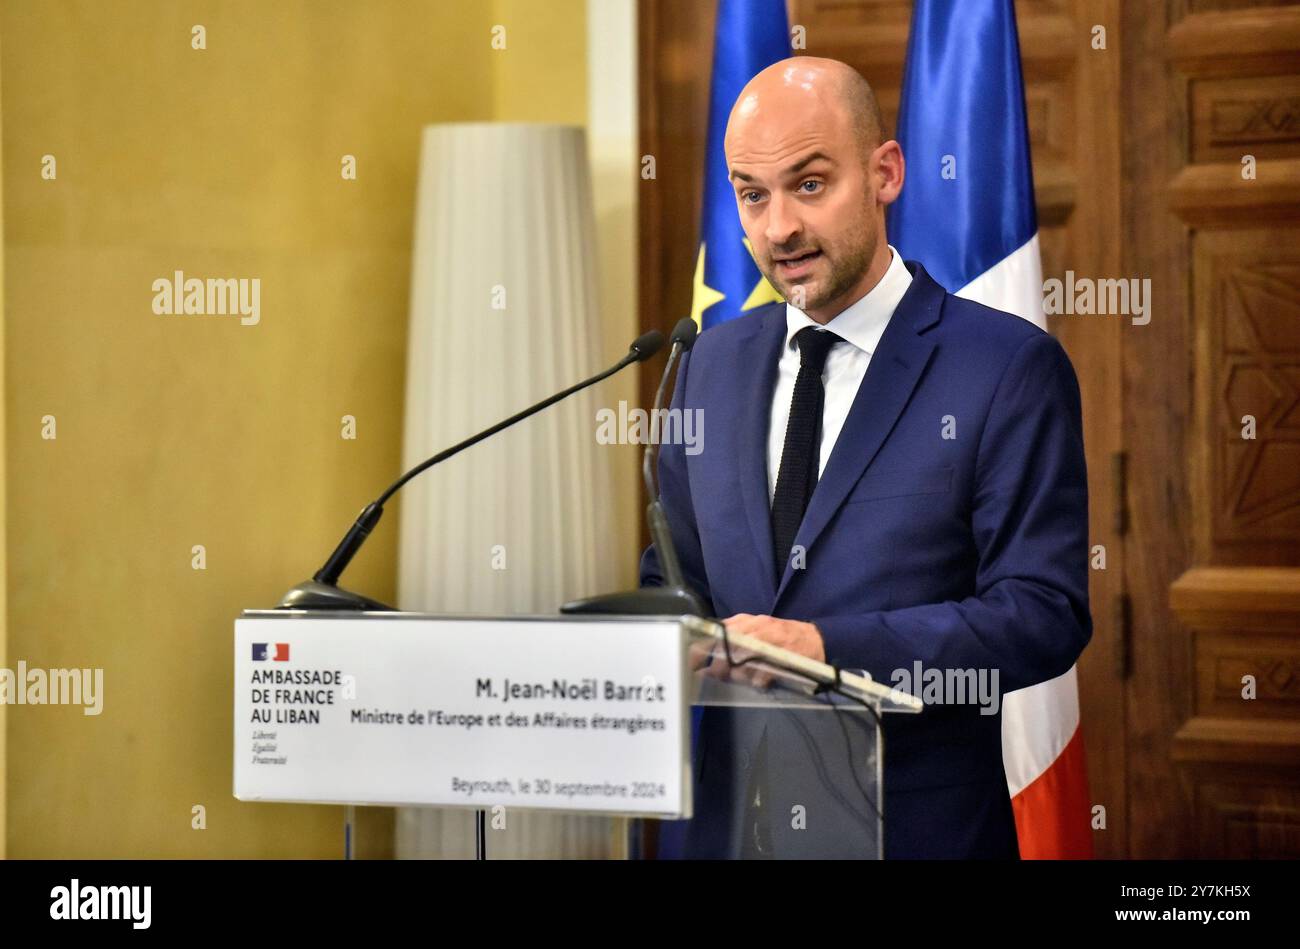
(1233,145)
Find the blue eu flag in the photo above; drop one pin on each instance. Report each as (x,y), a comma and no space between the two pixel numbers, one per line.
(750,36)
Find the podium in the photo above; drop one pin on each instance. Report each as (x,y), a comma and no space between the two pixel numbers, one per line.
(589,715)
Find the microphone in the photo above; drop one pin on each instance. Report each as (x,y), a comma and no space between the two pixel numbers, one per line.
(674,598)
(322,592)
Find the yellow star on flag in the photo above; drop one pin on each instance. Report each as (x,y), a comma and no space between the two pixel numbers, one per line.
(702,295)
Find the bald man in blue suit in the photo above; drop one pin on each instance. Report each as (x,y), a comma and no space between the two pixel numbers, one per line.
(910,489)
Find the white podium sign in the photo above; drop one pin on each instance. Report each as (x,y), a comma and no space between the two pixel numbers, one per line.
(561,714)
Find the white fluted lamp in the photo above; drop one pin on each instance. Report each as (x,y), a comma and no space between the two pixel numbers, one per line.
(504,313)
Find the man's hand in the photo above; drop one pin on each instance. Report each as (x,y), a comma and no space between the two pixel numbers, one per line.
(803,638)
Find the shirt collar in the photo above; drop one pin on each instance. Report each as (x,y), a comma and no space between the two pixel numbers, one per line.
(863,323)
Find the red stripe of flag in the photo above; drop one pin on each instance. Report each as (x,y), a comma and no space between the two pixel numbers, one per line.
(1053,814)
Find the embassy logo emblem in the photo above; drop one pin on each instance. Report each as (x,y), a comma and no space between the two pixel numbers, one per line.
(279,652)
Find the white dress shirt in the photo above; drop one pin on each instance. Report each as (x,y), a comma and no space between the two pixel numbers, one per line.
(860,326)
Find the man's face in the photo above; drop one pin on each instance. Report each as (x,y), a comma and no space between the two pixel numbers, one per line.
(805,199)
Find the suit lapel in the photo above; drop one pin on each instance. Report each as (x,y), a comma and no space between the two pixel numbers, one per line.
(762,351)
(891,376)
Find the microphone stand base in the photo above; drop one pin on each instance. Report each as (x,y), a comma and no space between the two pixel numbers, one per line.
(648,601)
(314,595)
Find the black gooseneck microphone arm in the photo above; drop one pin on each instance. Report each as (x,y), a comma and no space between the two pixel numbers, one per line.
(322,592)
(674,598)
(683,337)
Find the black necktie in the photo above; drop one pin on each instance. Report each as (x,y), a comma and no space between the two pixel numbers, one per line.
(797,475)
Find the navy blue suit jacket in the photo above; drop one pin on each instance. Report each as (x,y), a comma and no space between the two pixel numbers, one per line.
(968,552)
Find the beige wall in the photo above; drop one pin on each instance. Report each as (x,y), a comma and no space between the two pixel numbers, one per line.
(541,75)
(180,431)
(614,134)
(3,543)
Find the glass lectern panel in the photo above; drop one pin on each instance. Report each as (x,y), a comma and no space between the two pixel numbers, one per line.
(783,767)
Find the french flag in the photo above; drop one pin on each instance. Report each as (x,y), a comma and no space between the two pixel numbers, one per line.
(967,213)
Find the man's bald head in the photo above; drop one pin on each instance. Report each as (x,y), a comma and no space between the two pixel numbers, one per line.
(830,83)
(856,96)
(812,175)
